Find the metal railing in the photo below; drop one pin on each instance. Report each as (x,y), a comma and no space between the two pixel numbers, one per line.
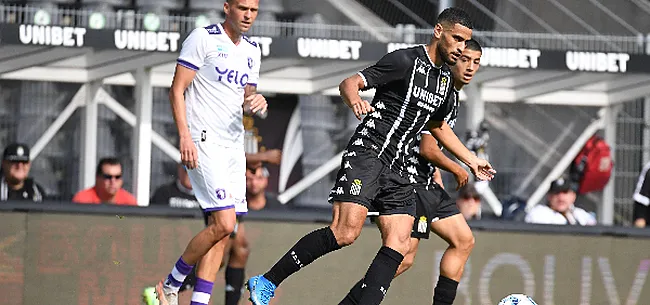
(132,20)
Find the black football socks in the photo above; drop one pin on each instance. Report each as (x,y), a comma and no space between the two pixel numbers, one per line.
(304,252)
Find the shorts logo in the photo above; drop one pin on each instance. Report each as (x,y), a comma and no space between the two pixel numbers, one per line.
(344,178)
(355,188)
(339,191)
(347,165)
(422,224)
(221,194)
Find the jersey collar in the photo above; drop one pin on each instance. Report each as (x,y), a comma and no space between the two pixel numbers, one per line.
(429,57)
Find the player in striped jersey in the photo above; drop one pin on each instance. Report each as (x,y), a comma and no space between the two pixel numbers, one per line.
(413,86)
(435,211)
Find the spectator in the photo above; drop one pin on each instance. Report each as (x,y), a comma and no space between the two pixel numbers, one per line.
(108,186)
(642,198)
(15,183)
(257,179)
(469,202)
(560,209)
(177,194)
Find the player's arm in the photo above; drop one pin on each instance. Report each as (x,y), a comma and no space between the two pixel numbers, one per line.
(429,150)
(389,68)
(190,60)
(446,136)
(183,76)
(253,101)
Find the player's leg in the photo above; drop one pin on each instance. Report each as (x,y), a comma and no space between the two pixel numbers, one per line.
(395,232)
(236,264)
(354,295)
(351,201)
(420,230)
(455,231)
(347,221)
(213,191)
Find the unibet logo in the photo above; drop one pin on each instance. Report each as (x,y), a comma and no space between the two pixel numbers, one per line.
(597,61)
(147,41)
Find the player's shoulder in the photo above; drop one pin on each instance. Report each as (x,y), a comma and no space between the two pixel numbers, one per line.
(251,45)
(406,54)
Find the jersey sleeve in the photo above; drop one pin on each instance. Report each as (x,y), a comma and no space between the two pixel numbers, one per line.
(255,69)
(642,193)
(392,66)
(194,50)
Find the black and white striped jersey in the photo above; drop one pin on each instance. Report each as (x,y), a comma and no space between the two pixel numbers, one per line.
(410,91)
(420,170)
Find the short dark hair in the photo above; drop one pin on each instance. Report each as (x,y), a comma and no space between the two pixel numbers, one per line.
(473,45)
(104,161)
(455,15)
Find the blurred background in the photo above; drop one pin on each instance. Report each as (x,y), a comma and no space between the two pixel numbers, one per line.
(562,96)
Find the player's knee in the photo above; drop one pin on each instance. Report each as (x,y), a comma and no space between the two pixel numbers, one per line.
(464,242)
(345,235)
(240,253)
(221,228)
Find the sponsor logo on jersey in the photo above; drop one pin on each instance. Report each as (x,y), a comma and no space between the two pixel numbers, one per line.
(146,40)
(232,76)
(52,35)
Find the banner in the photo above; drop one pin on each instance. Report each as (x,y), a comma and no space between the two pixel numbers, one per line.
(319,48)
(108,260)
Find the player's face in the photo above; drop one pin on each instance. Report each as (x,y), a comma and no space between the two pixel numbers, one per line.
(110,179)
(561,201)
(451,41)
(466,66)
(241,14)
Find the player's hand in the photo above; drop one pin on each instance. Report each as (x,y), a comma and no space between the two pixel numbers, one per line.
(462,178)
(273,156)
(482,170)
(189,155)
(255,103)
(361,107)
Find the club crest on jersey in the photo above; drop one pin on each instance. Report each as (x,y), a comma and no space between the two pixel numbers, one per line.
(355,188)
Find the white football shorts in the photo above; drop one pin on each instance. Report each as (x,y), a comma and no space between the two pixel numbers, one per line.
(219,181)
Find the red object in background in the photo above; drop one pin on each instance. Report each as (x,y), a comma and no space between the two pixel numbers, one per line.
(592,168)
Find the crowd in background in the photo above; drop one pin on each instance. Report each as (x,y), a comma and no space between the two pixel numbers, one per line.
(559,207)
